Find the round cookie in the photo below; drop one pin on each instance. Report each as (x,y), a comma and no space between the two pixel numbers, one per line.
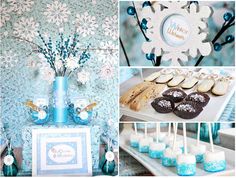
(163,105)
(200,98)
(188,110)
(175,94)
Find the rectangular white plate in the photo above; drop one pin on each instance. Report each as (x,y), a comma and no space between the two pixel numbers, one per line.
(211,112)
(156,168)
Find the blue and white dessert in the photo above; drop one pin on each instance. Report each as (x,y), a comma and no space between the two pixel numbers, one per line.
(156,150)
(214,161)
(169,156)
(144,144)
(199,151)
(83,117)
(186,165)
(134,140)
(168,140)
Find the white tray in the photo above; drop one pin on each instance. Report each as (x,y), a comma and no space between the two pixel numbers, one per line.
(156,168)
(211,112)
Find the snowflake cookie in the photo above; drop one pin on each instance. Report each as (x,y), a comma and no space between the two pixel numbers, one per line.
(177,30)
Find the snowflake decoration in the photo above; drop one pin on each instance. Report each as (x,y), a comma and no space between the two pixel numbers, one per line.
(110,27)
(86,24)
(5,14)
(57,13)
(177,35)
(26,28)
(20,6)
(107,71)
(8,59)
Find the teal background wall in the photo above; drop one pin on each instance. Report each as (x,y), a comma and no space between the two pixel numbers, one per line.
(23,74)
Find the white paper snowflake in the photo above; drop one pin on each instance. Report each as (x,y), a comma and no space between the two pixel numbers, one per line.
(26,28)
(57,13)
(177,30)
(8,59)
(5,14)
(20,6)
(110,27)
(86,24)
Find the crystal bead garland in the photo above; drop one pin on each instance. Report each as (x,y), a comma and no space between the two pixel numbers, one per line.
(60,109)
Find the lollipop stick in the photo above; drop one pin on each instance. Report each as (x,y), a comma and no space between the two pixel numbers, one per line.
(185,139)
(135,128)
(210,135)
(145,129)
(198,133)
(157,131)
(175,135)
(169,128)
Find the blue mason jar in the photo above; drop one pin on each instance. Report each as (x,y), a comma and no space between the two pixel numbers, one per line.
(60,109)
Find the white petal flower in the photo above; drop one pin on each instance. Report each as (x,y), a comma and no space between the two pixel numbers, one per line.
(48,74)
(110,27)
(20,6)
(25,28)
(72,63)
(86,24)
(57,13)
(107,71)
(83,76)
(58,63)
(5,14)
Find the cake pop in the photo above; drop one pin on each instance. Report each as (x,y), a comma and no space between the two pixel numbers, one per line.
(186,163)
(134,138)
(144,143)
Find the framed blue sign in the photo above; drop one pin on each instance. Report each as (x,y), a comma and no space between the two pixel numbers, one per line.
(61,152)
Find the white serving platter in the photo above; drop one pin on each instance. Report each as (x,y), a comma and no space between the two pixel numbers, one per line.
(211,112)
(156,168)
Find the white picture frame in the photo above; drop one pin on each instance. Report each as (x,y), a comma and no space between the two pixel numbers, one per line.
(61,152)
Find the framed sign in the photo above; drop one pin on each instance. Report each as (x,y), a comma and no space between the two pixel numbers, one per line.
(61,152)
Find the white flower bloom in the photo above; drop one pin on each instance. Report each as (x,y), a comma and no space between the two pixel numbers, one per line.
(58,63)
(48,74)
(110,27)
(25,28)
(72,63)
(83,76)
(20,6)
(8,59)
(86,24)
(107,71)
(5,14)
(57,13)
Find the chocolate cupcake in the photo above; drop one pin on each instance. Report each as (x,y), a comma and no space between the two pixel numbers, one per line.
(175,94)
(200,98)
(163,105)
(188,110)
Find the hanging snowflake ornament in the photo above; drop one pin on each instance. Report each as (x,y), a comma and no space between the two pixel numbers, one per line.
(177,30)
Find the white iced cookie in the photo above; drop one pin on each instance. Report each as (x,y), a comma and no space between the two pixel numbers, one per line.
(176,81)
(152,77)
(189,83)
(220,88)
(164,78)
(205,85)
